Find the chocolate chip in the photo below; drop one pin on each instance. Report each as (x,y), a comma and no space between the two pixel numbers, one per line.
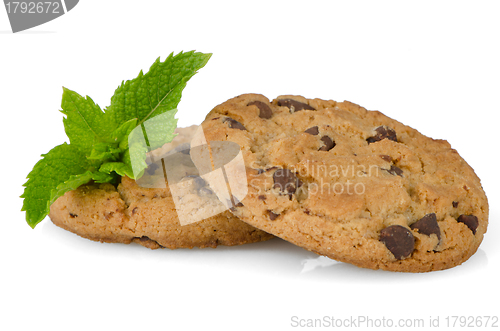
(455,204)
(144,238)
(73,215)
(470,220)
(307,212)
(272,215)
(237,202)
(198,181)
(265,110)
(313,130)
(134,210)
(234,124)
(205,191)
(329,143)
(152,168)
(427,225)
(383,132)
(183,148)
(386,158)
(230,203)
(262,197)
(286,181)
(395,171)
(215,118)
(398,240)
(293,105)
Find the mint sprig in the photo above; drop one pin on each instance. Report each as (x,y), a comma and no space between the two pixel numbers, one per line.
(85,123)
(99,146)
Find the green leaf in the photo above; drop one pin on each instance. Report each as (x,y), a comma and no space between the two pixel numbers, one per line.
(150,135)
(110,152)
(101,140)
(75,181)
(162,85)
(152,98)
(136,153)
(85,123)
(105,152)
(159,130)
(120,135)
(120,168)
(55,168)
(126,159)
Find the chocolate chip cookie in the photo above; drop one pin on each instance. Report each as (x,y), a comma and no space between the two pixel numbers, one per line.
(352,184)
(133,212)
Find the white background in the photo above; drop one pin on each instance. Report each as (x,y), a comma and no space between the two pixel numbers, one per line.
(433,65)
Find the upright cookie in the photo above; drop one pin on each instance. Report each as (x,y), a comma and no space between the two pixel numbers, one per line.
(131,213)
(352,184)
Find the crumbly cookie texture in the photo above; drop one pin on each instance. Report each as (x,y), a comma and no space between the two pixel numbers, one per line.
(352,184)
(131,213)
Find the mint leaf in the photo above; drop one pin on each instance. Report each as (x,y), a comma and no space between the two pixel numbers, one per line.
(159,129)
(85,123)
(152,94)
(62,169)
(120,135)
(120,168)
(56,167)
(162,85)
(150,135)
(75,181)
(105,152)
(111,152)
(136,153)
(100,140)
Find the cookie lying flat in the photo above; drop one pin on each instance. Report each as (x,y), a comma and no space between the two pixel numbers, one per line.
(131,213)
(351,184)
